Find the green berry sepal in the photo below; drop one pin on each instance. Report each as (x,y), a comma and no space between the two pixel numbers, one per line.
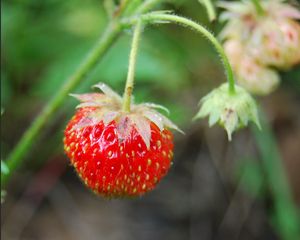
(231,110)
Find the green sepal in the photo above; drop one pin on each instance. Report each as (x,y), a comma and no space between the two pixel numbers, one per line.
(230,110)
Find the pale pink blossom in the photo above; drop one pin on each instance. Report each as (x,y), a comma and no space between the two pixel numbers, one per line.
(273,38)
(249,73)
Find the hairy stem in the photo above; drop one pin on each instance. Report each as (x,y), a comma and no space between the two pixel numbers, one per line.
(15,158)
(209,8)
(131,69)
(160,17)
(258,7)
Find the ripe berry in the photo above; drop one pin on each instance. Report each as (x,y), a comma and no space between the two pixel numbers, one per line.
(117,153)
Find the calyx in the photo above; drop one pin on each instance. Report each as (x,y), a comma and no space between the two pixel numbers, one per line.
(108,107)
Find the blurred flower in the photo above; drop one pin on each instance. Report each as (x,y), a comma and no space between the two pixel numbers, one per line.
(256,78)
(250,74)
(276,43)
(231,110)
(272,39)
(256,42)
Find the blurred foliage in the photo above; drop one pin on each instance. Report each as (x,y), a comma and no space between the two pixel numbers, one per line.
(43,42)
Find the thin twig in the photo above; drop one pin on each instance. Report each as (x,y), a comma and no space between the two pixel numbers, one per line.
(171,18)
(131,69)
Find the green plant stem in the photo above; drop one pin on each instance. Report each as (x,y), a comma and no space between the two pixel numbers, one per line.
(161,17)
(109,6)
(15,158)
(258,7)
(122,7)
(147,5)
(285,216)
(209,8)
(131,69)
(132,6)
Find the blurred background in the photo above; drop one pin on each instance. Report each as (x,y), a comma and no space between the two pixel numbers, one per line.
(214,190)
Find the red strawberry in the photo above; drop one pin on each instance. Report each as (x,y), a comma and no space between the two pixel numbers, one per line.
(116,153)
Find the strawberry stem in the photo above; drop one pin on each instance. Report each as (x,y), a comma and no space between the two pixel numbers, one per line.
(209,8)
(164,17)
(131,69)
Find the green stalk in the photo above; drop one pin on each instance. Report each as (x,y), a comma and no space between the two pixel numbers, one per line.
(209,8)
(15,158)
(147,6)
(131,69)
(258,7)
(161,17)
(109,7)
(122,7)
(132,6)
(285,217)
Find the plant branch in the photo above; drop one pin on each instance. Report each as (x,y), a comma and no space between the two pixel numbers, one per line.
(131,69)
(258,7)
(162,17)
(109,6)
(132,6)
(209,8)
(122,7)
(147,5)
(15,158)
